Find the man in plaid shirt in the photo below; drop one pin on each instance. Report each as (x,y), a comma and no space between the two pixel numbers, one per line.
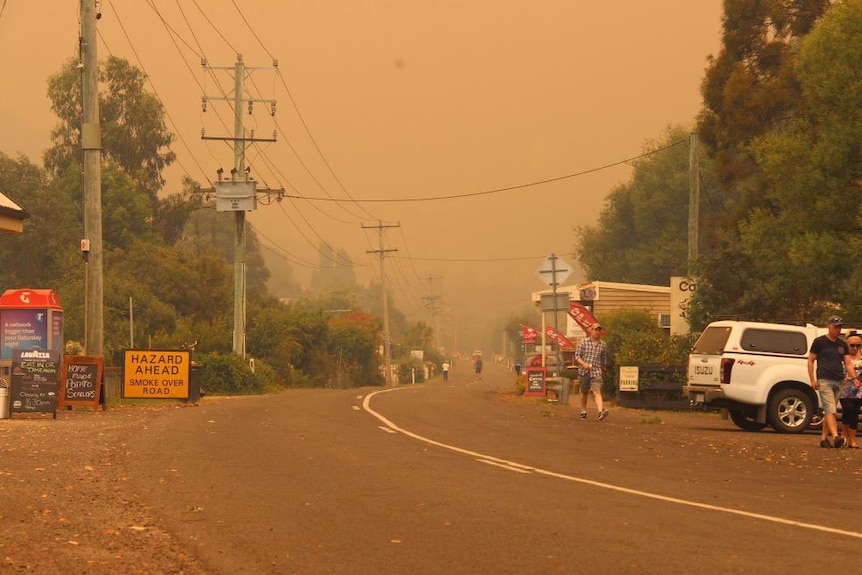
(590,357)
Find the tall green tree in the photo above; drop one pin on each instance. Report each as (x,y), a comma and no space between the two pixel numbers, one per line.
(352,344)
(49,247)
(793,258)
(642,232)
(208,229)
(335,272)
(419,336)
(751,83)
(134,133)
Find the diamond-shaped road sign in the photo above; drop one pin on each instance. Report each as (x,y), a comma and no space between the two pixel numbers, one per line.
(553,270)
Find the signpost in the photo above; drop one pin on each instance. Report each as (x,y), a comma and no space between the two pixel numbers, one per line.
(553,271)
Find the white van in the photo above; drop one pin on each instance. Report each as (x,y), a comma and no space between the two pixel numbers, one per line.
(757,373)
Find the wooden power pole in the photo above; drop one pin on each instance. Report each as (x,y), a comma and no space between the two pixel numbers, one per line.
(693,202)
(91,144)
(387,353)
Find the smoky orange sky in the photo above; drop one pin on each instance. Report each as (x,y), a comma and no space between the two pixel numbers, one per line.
(404,99)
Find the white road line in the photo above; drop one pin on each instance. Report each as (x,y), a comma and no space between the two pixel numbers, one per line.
(386,429)
(356,408)
(507,467)
(366,405)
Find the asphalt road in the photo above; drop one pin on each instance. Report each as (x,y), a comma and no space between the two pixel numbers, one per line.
(466,477)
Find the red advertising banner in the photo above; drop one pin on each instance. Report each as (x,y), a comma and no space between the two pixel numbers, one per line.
(562,342)
(582,316)
(528,335)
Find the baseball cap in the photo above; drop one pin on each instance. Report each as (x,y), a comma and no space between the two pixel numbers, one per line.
(835,320)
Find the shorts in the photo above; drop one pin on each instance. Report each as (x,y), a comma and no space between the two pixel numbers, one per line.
(588,383)
(829,391)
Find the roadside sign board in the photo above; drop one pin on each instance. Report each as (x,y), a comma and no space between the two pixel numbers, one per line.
(629,378)
(149,374)
(81,380)
(35,381)
(535,381)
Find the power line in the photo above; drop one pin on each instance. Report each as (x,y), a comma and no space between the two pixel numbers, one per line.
(305,127)
(156,93)
(508,188)
(474,260)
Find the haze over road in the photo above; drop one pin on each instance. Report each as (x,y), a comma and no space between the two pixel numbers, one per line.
(465,478)
(386,101)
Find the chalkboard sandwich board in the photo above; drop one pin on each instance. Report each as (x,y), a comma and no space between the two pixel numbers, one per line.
(535,381)
(82,380)
(35,381)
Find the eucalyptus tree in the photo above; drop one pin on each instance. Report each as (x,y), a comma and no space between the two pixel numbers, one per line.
(642,231)
(793,257)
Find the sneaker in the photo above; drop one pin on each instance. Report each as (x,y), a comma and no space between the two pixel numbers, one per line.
(825,443)
(839,441)
(583,415)
(603,414)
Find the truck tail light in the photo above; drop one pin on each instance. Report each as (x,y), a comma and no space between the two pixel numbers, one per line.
(726,367)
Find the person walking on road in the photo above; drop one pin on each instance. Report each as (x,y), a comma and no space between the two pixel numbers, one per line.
(591,356)
(851,394)
(832,356)
(477,367)
(445,368)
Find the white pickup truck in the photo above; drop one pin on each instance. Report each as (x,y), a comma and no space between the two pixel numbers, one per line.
(757,373)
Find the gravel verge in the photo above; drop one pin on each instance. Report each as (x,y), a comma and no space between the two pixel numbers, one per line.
(65,504)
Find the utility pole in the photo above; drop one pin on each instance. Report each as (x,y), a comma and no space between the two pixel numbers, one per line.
(91,144)
(239,193)
(433,306)
(387,353)
(558,273)
(693,201)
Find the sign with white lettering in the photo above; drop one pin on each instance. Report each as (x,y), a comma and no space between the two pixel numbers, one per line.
(81,380)
(151,374)
(34,381)
(535,381)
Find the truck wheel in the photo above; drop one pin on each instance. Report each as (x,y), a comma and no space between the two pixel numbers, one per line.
(745,418)
(790,411)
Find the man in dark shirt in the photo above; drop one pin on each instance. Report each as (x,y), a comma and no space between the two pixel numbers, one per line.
(833,361)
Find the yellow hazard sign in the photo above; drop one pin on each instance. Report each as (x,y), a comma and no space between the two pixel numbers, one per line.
(156,374)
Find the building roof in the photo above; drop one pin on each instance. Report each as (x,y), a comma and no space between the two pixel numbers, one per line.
(598,286)
(12,216)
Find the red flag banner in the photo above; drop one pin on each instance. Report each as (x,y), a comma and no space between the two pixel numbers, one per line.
(582,316)
(528,335)
(562,342)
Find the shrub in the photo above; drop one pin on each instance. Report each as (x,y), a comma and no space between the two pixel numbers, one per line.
(406,371)
(634,338)
(521,383)
(230,374)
